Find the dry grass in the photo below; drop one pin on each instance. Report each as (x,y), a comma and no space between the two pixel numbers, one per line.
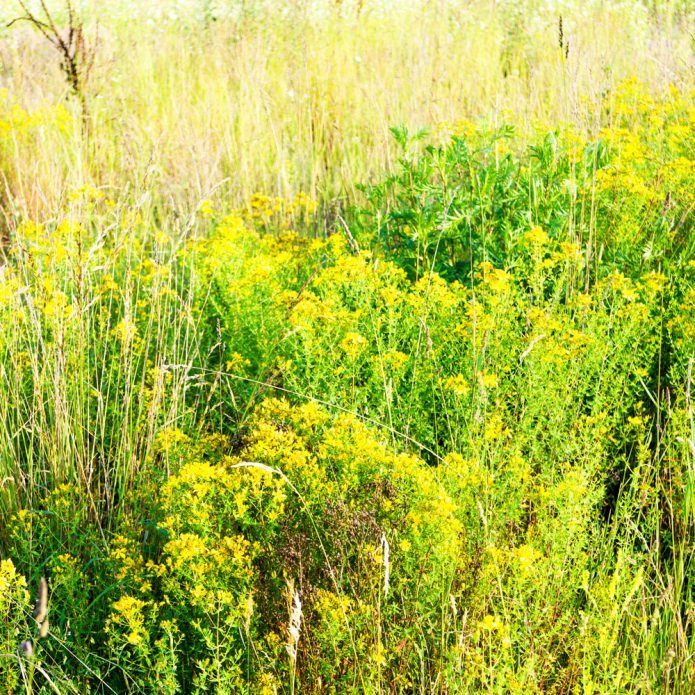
(302,98)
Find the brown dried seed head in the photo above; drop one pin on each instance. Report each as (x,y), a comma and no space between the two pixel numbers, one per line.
(43,628)
(41,609)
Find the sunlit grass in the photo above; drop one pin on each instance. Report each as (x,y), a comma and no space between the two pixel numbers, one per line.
(292,98)
(349,348)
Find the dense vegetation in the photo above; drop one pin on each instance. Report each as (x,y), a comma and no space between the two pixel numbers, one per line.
(295,399)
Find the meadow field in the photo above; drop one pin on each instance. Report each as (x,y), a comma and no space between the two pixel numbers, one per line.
(347,346)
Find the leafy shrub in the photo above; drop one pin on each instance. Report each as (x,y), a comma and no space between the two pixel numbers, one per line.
(309,498)
(14,604)
(624,195)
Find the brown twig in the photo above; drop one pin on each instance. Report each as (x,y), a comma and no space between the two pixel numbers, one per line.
(77,58)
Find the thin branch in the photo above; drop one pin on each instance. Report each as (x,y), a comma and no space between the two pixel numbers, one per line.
(77,59)
(41,26)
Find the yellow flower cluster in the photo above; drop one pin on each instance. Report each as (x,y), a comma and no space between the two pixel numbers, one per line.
(128,614)
(14,596)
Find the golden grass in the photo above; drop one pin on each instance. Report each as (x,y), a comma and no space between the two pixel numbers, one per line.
(301,99)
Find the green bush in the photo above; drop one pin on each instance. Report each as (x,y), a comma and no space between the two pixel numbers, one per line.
(625,195)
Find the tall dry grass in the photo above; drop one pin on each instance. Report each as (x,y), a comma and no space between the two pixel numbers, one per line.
(227,99)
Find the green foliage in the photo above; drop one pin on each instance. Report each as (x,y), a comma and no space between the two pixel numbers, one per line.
(252,461)
(625,195)
(14,603)
(236,532)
